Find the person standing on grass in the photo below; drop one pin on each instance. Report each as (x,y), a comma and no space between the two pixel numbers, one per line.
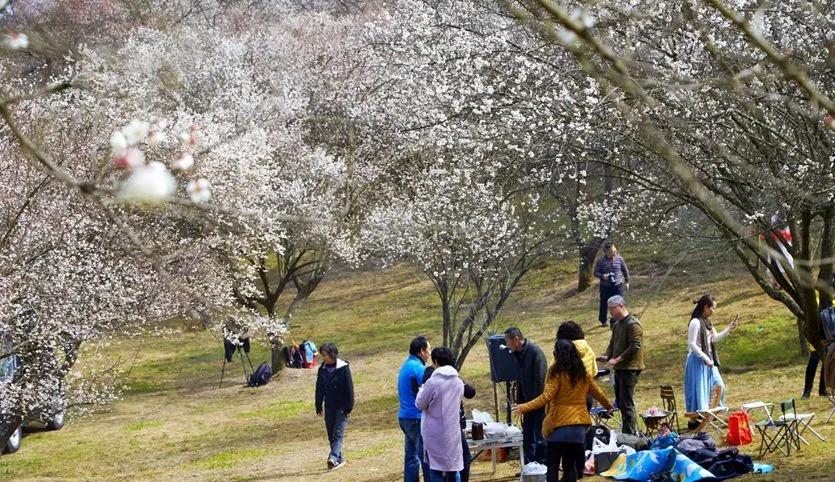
(567,418)
(613,274)
(409,380)
(439,399)
(625,355)
(469,392)
(334,390)
(701,370)
(571,331)
(530,380)
(814,356)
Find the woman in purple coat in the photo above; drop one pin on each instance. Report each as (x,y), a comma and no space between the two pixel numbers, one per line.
(439,399)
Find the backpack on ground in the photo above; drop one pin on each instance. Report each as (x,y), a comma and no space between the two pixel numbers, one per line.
(730,463)
(261,375)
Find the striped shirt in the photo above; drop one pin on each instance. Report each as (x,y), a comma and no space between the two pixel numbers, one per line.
(616,266)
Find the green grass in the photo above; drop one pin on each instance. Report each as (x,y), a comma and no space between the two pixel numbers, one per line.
(175,424)
(277,411)
(229,459)
(143,424)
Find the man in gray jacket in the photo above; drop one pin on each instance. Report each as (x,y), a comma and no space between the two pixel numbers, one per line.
(530,382)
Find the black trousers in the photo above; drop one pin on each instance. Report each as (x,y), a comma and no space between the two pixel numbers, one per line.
(607,292)
(532,436)
(625,382)
(811,368)
(571,455)
(468,458)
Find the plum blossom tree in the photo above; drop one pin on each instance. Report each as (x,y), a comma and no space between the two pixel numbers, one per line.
(473,239)
(727,105)
(139,173)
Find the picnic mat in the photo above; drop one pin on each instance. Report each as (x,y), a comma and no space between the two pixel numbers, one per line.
(643,465)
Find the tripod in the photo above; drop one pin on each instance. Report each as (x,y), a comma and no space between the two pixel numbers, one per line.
(242,351)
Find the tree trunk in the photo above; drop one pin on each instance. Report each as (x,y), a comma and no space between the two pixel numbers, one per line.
(585,273)
(276,359)
(801,337)
(276,343)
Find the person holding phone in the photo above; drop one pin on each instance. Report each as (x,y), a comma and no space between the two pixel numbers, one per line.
(613,274)
(701,370)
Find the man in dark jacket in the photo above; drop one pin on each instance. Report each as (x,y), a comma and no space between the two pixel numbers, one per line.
(625,355)
(334,388)
(530,382)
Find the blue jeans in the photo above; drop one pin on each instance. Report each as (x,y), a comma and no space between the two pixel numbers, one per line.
(438,476)
(413,454)
(335,423)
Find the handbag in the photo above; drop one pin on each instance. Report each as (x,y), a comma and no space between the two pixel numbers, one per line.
(739,429)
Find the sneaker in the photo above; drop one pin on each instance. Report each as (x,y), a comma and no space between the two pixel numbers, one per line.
(331,463)
(805,396)
(338,465)
(603,324)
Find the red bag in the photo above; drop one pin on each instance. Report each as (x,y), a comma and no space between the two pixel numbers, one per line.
(739,430)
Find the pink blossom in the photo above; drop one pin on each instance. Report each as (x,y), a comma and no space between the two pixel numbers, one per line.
(129,158)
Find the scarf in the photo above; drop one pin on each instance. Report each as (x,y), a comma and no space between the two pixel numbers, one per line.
(704,340)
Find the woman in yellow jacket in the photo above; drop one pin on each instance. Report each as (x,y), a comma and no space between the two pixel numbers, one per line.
(566,418)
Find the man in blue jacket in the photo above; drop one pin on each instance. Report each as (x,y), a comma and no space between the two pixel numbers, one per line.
(409,380)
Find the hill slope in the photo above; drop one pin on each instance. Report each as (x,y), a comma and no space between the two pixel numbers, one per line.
(174,423)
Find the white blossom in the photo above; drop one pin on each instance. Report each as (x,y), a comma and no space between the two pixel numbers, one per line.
(14,40)
(200,190)
(148,184)
(118,143)
(183,163)
(135,131)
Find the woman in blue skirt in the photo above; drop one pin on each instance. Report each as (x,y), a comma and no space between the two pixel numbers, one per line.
(701,370)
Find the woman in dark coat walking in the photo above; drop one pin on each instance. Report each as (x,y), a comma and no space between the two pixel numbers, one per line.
(334,390)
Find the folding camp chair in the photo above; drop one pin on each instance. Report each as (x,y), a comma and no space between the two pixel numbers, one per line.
(758,405)
(831,398)
(600,416)
(668,401)
(804,423)
(781,434)
(713,417)
(670,415)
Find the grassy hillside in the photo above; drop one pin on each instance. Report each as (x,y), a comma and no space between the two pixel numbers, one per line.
(174,423)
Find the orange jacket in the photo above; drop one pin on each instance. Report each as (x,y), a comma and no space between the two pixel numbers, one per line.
(566,404)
